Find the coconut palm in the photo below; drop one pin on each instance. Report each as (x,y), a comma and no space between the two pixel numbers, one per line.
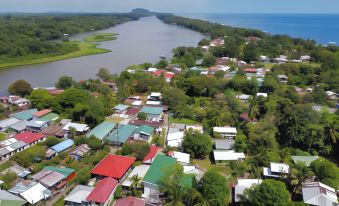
(195,198)
(254,108)
(300,172)
(331,132)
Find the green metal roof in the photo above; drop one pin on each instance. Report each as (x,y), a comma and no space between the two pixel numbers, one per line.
(152,110)
(50,117)
(102,130)
(124,133)
(145,129)
(24,115)
(65,171)
(156,171)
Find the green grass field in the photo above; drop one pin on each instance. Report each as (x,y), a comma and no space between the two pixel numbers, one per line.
(181,121)
(85,49)
(101,37)
(3,136)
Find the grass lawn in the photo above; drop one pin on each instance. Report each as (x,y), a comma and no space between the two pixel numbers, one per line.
(206,164)
(3,136)
(85,49)
(60,202)
(5,165)
(181,121)
(101,37)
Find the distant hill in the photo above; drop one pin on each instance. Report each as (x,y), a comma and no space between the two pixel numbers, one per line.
(142,11)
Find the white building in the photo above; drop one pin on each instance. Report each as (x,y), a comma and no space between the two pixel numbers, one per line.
(181,157)
(276,170)
(316,193)
(226,132)
(228,155)
(140,171)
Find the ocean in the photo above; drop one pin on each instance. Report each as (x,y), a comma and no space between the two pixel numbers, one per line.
(323,28)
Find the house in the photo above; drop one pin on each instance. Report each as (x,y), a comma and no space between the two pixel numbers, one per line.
(111,85)
(78,196)
(181,157)
(10,147)
(54,130)
(36,125)
(148,159)
(139,170)
(24,115)
(226,132)
(133,111)
(227,155)
(155,96)
(196,127)
(224,144)
(18,170)
(103,193)
(281,59)
(32,192)
(331,95)
(244,97)
(136,103)
(262,95)
(6,123)
(305,58)
(8,199)
(153,113)
(264,59)
(50,117)
(276,170)
(54,178)
(41,113)
(244,116)
(307,160)
(130,201)
(122,134)
(175,135)
(148,123)
(153,103)
(241,186)
(58,148)
(102,130)
(121,108)
(79,151)
(282,78)
(317,193)
(14,100)
(144,132)
(79,128)
(114,166)
(30,138)
(153,176)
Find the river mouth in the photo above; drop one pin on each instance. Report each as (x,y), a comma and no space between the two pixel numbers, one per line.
(139,41)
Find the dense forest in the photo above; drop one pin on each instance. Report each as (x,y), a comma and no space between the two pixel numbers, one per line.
(23,35)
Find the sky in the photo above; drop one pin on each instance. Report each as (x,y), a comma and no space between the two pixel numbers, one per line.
(173,6)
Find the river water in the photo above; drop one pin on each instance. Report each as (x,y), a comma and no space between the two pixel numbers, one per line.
(138,42)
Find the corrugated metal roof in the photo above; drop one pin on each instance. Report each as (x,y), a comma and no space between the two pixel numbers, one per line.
(124,132)
(24,115)
(152,110)
(102,130)
(155,172)
(8,122)
(63,145)
(20,126)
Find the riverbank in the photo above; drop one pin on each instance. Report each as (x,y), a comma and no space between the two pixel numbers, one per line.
(84,49)
(101,37)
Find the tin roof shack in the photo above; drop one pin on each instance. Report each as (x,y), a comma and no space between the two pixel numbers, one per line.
(32,192)
(103,193)
(122,134)
(80,151)
(226,132)
(153,151)
(8,199)
(220,156)
(6,123)
(78,196)
(103,130)
(153,113)
(24,115)
(144,132)
(317,193)
(224,144)
(56,149)
(54,178)
(276,170)
(30,138)
(79,128)
(114,166)
(10,147)
(36,125)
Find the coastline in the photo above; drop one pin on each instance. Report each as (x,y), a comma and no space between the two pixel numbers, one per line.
(85,49)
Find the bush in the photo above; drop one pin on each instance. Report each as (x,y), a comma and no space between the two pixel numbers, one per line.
(51,141)
(118,192)
(136,149)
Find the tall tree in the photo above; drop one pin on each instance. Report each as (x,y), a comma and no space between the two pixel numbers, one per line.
(197,144)
(20,87)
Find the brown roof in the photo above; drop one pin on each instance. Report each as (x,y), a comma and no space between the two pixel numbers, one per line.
(142,122)
(52,130)
(132,111)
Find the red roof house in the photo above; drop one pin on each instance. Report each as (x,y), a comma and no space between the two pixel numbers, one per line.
(244,116)
(132,111)
(130,201)
(251,70)
(114,166)
(103,192)
(29,137)
(151,155)
(42,113)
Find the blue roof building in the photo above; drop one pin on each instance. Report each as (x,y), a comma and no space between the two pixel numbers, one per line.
(63,145)
(102,130)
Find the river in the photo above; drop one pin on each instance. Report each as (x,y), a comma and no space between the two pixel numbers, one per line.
(138,42)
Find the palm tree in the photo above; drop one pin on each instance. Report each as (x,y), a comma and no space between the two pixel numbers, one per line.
(195,198)
(331,132)
(254,108)
(136,184)
(301,172)
(218,120)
